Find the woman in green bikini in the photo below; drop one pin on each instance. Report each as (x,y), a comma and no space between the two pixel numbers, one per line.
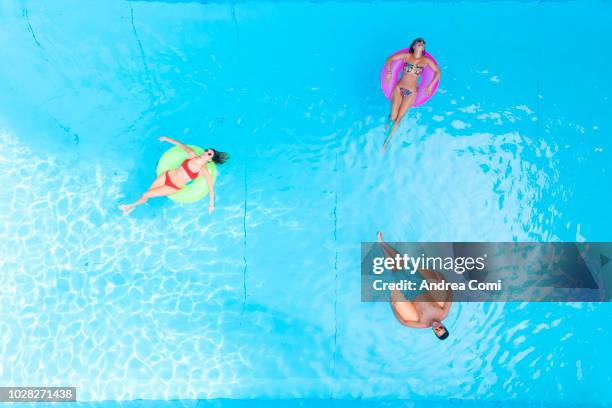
(173,180)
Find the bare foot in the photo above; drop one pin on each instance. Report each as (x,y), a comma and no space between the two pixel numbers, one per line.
(380,237)
(126,208)
(385,145)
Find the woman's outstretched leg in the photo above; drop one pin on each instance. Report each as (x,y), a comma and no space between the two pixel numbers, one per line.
(396,100)
(405,104)
(157,189)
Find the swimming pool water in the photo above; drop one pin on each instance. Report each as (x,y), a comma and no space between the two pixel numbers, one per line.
(261,299)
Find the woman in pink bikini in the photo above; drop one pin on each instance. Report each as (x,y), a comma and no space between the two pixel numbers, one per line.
(171,181)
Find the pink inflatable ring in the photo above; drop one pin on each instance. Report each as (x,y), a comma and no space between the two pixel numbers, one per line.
(396,70)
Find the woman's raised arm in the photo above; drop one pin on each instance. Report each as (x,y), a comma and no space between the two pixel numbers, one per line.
(186,148)
(390,60)
(436,77)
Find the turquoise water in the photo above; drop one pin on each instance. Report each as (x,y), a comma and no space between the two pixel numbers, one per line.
(261,299)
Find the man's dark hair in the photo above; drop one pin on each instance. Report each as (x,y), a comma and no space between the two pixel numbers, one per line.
(443,336)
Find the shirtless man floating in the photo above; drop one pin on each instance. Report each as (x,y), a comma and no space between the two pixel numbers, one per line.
(426,310)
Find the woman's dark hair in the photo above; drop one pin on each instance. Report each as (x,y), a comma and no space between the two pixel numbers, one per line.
(416,40)
(219,157)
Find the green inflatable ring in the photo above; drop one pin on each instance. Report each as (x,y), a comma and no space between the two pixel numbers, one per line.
(193,191)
